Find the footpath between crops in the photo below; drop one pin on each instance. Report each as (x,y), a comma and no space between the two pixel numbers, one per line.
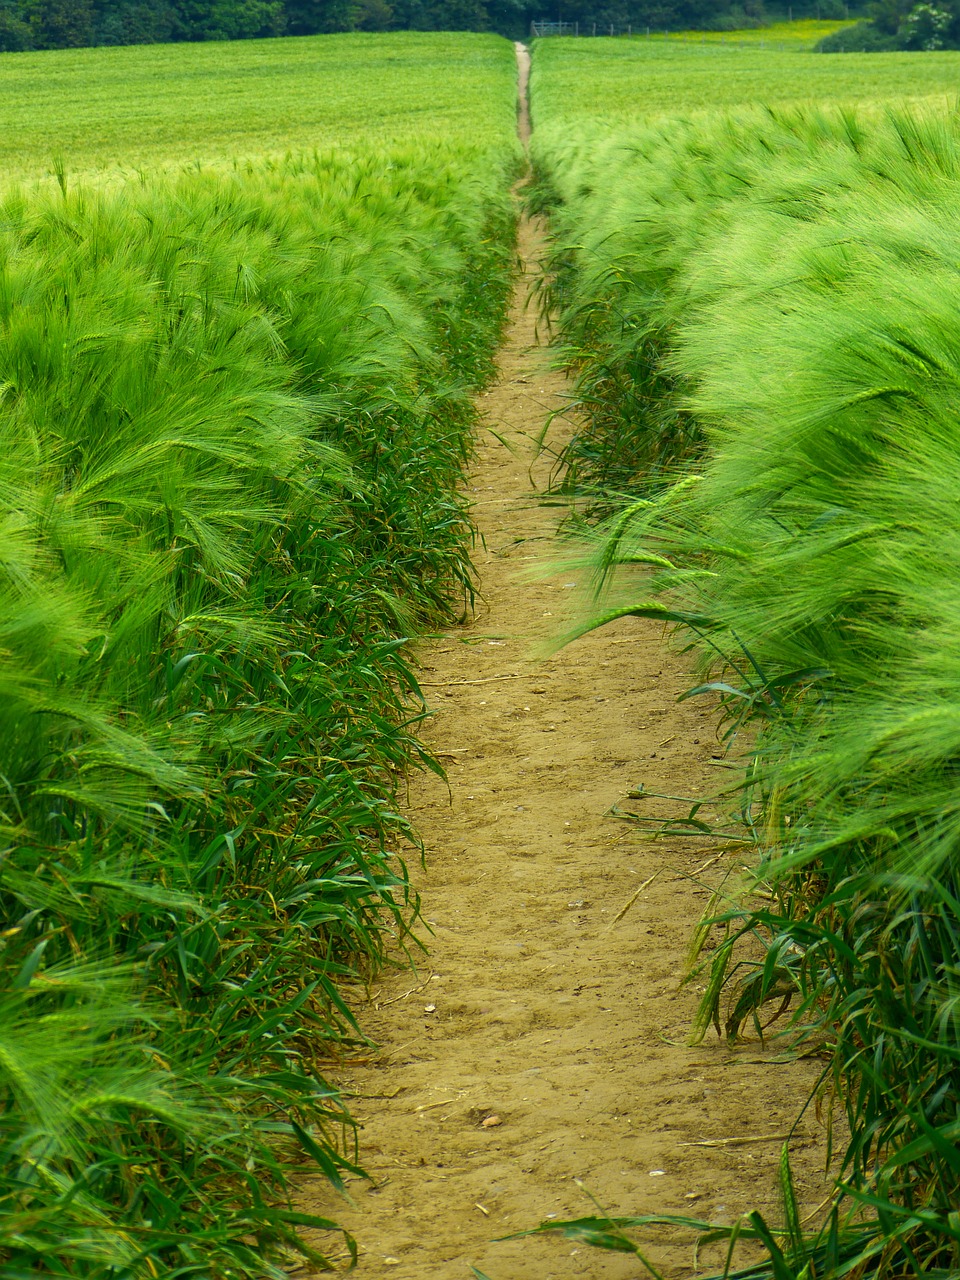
(542,1044)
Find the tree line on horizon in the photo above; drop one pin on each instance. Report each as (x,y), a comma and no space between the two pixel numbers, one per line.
(60,24)
(891,26)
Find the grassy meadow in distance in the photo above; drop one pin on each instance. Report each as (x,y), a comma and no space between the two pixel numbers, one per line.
(143,104)
(577,82)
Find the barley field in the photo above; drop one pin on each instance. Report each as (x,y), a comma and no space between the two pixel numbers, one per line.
(235,411)
(577,83)
(801,35)
(245,300)
(121,109)
(760,303)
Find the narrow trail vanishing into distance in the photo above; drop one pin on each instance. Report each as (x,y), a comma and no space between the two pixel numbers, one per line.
(542,1044)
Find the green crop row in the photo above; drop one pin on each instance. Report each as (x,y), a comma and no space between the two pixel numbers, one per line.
(763,311)
(234,415)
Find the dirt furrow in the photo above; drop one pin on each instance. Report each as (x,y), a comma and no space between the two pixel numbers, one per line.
(542,1044)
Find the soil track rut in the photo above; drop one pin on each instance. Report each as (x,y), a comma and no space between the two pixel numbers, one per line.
(545,1009)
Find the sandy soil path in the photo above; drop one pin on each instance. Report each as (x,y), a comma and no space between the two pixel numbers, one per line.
(543,1005)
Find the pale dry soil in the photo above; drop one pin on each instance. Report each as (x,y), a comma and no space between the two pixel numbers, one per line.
(544,1009)
(537,1005)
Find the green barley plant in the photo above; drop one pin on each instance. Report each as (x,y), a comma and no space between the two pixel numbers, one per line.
(595,105)
(235,415)
(777,288)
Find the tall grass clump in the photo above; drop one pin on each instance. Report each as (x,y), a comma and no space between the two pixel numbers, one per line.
(785,285)
(234,416)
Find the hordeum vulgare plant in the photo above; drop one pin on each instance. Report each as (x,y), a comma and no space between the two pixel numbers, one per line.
(234,418)
(779,291)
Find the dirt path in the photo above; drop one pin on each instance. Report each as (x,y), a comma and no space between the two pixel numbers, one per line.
(540,1007)
(523,93)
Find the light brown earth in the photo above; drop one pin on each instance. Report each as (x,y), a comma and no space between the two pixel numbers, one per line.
(547,1003)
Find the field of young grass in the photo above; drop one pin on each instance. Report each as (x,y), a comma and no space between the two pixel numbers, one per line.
(580,83)
(763,312)
(142,105)
(235,414)
(801,35)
